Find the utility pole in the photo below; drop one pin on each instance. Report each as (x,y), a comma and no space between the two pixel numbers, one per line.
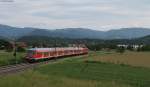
(15,51)
(55,47)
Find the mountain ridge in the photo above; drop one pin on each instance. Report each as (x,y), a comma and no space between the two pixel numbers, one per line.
(74,33)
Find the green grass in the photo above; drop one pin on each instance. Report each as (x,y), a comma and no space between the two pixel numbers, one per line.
(80,71)
(97,71)
(36,79)
(7,58)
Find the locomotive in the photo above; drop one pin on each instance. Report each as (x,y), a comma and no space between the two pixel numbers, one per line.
(35,54)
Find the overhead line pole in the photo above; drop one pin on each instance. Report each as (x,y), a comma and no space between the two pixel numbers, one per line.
(55,47)
(15,50)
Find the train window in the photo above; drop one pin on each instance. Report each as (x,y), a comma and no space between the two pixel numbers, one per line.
(39,53)
(30,52)
(51,53)
(46,54)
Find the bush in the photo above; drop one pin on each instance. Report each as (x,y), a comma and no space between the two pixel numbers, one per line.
(120,49)
(20,49)
(130,48)
(144,48)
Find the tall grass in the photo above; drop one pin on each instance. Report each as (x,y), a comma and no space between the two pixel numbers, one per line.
(36,79)
(7,58)
(141,59)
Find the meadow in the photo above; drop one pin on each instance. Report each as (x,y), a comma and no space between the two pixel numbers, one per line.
(7,58)
(139,59)
(86,71)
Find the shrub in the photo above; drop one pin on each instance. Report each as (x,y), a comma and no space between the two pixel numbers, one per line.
(20,49)
(120,49)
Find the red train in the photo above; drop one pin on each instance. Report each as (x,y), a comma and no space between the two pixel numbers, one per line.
(34,54)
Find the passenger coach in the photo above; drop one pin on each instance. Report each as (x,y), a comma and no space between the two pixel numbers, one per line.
(34,54)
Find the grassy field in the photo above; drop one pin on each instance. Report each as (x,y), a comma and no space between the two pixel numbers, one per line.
(128,58)
(84,71)
(7,58)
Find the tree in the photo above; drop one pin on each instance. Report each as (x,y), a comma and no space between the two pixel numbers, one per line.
(5,45)
(120,50)
(130,48)
(144,48)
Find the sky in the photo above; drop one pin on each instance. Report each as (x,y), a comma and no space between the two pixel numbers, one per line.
(57,14)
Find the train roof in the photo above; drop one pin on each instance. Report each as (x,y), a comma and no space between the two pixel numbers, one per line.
(53,49)
(33,49)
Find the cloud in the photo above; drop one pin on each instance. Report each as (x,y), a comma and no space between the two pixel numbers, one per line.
(95,14)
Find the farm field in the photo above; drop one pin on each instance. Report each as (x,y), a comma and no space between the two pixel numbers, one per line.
(7,58)
(140,59)
(85,71)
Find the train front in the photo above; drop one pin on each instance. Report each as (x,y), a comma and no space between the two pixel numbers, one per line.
(30,55)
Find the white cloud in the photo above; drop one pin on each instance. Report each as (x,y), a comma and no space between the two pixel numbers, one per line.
(96,14)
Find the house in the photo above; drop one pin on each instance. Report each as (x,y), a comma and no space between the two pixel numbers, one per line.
(133,46)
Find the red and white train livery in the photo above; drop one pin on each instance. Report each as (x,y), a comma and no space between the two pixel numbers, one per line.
(47,53)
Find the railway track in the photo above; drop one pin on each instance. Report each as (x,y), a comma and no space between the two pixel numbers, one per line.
(11,69)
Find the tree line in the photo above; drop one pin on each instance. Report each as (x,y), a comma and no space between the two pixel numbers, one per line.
(92,44)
